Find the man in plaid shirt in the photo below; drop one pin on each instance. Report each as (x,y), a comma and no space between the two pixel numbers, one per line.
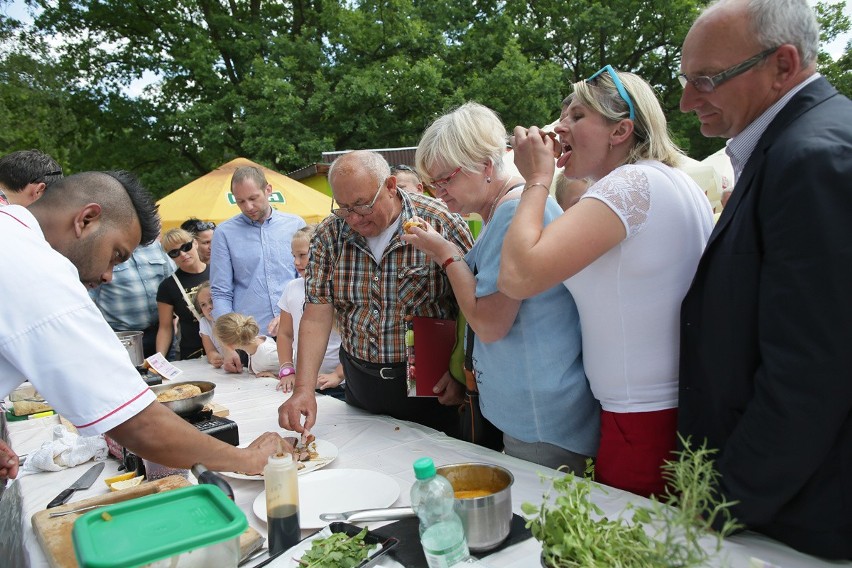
(361,273)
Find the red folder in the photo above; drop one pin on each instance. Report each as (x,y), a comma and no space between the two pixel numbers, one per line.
(434,340)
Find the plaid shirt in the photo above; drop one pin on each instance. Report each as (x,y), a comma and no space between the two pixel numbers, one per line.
(371,300)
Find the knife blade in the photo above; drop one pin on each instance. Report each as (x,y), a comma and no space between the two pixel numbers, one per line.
(84,482)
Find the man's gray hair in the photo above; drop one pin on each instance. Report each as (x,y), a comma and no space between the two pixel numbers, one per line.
(776,22)
(361,160)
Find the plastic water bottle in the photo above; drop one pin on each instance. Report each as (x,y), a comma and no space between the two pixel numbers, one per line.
(441,530)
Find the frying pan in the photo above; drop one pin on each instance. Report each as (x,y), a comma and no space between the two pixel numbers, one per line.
(189,405)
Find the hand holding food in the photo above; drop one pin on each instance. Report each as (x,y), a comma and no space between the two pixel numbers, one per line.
(534,152)
(258,452)
(409,225)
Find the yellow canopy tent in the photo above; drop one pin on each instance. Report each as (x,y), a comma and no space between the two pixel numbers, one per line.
(209,197)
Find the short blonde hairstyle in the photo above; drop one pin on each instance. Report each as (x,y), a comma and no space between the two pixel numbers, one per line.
(175,238)
(650,130)
(467,136)
(306,233)
(236,329)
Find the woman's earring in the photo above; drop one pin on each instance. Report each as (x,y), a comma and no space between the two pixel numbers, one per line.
(610,146)
(488,179)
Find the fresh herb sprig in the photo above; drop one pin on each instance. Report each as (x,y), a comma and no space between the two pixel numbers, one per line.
(337,551)
(575,532)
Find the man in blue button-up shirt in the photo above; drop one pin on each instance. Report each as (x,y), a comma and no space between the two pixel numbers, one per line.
(251,260)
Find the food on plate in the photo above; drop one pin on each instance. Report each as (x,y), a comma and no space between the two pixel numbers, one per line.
(179,392)
(337,551)
(411,223)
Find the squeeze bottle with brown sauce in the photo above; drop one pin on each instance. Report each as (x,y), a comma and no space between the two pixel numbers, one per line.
(282,502)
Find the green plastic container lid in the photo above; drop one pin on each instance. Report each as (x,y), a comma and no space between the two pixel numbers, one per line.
(151,528)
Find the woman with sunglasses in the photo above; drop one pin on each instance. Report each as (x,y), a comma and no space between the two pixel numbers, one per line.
(627,251)
(176,295)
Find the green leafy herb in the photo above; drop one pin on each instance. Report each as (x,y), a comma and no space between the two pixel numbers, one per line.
(337,551)
(575,532)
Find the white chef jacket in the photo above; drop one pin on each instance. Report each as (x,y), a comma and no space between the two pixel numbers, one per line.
(52,334)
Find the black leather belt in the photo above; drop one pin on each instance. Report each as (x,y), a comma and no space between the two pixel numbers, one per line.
(381,370)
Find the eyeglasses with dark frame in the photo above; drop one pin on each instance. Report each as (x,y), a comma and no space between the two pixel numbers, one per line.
(185,247)
(362,210)
(705,84)
(444,182)
(42,176)
(619,86)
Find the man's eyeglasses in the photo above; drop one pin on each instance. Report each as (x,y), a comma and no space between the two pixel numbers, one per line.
(619,86)
(363,210)
(704,84)
(444,182)
(48,174)
(185,247)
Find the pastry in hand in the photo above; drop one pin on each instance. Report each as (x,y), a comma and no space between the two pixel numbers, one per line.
(411,223)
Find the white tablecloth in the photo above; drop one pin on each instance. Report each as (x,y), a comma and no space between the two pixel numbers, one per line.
(364,441)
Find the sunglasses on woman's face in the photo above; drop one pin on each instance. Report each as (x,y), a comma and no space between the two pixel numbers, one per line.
(185,247)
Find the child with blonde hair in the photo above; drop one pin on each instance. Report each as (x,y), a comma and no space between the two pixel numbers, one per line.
(237,331)
(292,305)
(204,305)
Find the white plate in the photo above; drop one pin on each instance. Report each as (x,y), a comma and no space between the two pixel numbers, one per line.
(337,491)
(326,450)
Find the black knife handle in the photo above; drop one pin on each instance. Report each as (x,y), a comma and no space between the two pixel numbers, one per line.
(61,498)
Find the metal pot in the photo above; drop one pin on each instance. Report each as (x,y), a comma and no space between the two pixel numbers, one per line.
(132,341)
(189,405)
(487,519)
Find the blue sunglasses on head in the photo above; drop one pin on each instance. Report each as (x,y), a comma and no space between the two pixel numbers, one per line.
(619,86)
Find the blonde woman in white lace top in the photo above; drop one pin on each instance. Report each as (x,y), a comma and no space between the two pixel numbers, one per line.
(627,252)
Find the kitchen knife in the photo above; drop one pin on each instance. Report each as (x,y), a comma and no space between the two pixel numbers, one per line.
(84,482)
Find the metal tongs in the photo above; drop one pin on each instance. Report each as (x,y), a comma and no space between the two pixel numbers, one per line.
(389,514)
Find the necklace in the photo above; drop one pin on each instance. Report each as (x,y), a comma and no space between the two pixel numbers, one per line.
(500,195)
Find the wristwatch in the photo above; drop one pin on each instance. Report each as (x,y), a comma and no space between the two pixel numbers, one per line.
(286,372)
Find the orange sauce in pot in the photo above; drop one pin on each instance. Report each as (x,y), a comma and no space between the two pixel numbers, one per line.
(472,493)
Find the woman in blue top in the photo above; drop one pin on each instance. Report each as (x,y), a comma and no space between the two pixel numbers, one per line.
(527,355)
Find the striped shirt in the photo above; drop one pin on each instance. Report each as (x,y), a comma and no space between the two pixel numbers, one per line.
(372,299)
(741,146)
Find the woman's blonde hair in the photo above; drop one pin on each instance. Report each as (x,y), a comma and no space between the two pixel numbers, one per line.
(175,238)
(467,136)
(650,130)
(236,329)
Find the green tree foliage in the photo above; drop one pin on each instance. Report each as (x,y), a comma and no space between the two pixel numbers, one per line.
(281,81)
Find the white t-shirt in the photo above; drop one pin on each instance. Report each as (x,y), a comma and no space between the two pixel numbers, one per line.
(206,328)
(293,302)
(629,298)
(265,358)
(52,334)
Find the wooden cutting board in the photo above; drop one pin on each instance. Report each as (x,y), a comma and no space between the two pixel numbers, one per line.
(54,534)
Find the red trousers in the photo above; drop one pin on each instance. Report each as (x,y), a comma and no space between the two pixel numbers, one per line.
(633,447)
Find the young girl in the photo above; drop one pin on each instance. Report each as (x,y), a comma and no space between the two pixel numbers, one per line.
(237,331)
(292,304)
(204,305)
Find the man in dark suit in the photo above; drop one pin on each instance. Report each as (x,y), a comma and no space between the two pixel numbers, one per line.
(766,360)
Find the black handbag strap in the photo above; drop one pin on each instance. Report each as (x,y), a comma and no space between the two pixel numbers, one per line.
(468,345)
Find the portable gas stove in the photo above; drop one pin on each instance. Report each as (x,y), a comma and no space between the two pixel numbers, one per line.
(216,426)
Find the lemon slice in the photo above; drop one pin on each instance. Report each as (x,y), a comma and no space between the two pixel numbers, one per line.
(126,483)
(123,477)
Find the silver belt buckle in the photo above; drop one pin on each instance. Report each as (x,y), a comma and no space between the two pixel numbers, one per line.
(382,373)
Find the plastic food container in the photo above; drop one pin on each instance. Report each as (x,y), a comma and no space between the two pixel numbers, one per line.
(190,527)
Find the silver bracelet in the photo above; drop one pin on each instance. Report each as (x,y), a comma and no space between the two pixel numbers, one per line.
(531,185)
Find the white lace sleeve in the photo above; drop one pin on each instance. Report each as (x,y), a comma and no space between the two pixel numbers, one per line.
(626,191)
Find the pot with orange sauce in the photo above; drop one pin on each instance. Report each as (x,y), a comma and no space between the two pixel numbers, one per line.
(483,501)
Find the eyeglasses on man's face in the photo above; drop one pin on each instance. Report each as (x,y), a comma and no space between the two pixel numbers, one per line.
(445,181)
(705,84)
(619,86)
(344,212)
(185,247)
(45,175)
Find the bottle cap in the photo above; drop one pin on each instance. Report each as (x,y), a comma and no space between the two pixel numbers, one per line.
(424,468)
(280,459)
